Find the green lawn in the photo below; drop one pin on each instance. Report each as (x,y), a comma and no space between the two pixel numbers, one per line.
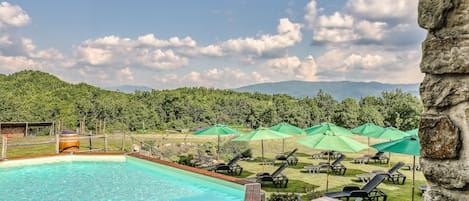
(300,181)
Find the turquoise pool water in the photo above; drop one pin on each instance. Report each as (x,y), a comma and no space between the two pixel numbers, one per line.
(133,179)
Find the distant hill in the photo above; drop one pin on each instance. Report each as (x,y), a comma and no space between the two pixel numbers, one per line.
(339,90)
(128,88)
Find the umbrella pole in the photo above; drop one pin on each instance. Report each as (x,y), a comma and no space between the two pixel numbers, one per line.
(262,149)
(283,145)
(218,148)
(329,163)
(389,161)
(413,180)
(368,145)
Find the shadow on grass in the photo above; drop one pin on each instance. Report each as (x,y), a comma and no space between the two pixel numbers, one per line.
(401,192)
(302,155)
(296,186)
(244,174)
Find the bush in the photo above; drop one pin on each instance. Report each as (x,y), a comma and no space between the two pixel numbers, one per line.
(247,153)
(186,160)
(284,197)
(232,148)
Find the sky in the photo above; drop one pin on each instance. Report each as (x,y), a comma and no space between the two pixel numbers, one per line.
(216,44)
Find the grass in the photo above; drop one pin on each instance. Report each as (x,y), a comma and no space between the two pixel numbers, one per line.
(297,179)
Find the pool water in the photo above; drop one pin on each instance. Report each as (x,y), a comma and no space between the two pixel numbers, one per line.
(129,180)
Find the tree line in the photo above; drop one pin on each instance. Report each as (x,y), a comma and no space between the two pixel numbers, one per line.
(38,96)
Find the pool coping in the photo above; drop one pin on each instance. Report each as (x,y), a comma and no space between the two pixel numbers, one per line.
(193,169)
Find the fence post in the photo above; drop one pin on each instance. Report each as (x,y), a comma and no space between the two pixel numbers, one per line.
(131,144)
(141,147)
(123,141)
(57,143)
(105,142)
(4,146)
(91,143)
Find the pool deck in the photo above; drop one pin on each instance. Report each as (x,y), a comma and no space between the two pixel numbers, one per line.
(193,169)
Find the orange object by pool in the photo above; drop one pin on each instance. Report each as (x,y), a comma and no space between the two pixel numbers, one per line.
(69,142)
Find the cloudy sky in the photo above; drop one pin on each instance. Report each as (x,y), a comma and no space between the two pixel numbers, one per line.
(220,44)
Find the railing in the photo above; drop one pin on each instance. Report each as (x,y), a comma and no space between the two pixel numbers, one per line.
(140,146)
(57,140)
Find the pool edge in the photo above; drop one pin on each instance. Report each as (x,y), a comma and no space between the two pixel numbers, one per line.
(252,189)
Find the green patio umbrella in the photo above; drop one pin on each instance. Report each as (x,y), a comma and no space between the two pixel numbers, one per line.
(287,129)
(324,127)
(413,131)
(218,129)
(390,133)
(331,141)
(408,145)
(262,134)
(367,129)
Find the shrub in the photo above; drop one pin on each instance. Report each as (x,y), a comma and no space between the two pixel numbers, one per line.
(247,153)
(186,160)
(284,197)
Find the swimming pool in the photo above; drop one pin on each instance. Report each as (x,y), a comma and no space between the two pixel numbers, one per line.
(125,178)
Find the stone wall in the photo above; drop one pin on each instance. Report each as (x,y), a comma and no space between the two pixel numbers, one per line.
(444,127)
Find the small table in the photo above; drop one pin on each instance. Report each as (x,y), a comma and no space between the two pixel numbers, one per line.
(313,168)
(410,166)
(365,177)
(423,188)
(361,160)
(292,161)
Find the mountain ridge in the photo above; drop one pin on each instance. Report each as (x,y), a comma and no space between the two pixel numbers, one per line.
(338,89)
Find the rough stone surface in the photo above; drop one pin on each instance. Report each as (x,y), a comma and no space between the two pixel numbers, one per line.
(444,91)
(439,137)
(445,55)
(444,128)
(432,13)
(450,174)
(437,195)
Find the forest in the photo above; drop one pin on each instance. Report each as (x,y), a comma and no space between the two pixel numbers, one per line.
(29,96)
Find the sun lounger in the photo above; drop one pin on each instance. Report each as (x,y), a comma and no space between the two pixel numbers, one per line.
(336,166)
(278,179)
(290,159)
(392,174)
(325,154)
(369,191)
(378,157)
(231,167)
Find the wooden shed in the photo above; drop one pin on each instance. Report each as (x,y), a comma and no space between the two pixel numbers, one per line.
(22,129)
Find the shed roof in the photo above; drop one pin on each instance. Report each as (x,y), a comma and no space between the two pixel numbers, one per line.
(23,124)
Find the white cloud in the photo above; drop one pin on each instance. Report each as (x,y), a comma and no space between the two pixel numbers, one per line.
(288,35)
(307,70)
(215,77)
(50,53)
(126,74)
(311,13)
(370,63)
(159,59)
(336,20)
(16,63)
(144,52)
(335,35)
(290,68)
(95,56)
(151,40)
(12,16)
(286,66)
(367,61)
(384,9)
(371,30)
